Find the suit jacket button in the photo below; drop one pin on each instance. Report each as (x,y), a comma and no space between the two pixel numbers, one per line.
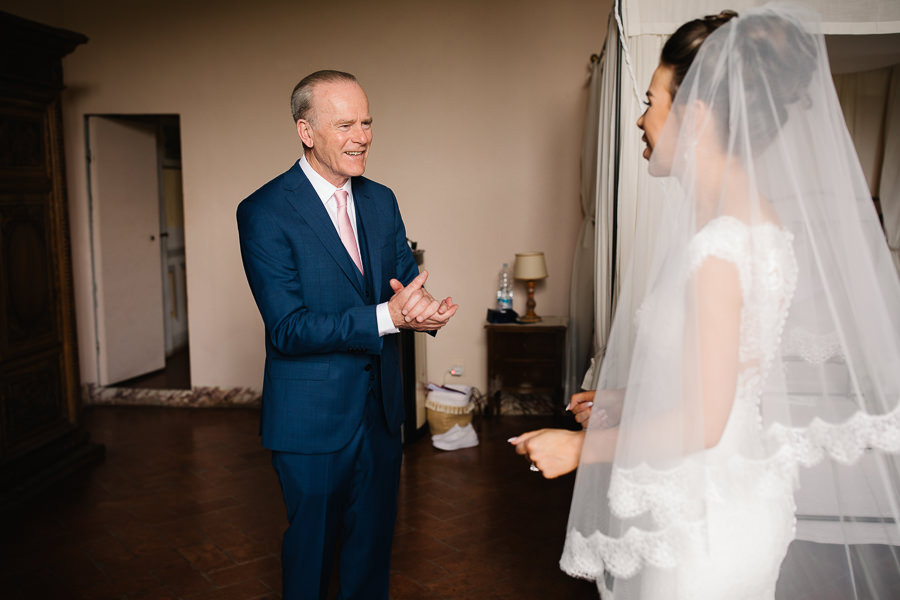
(369,367)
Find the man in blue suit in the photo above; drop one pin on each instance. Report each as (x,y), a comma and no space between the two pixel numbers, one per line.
(326,256)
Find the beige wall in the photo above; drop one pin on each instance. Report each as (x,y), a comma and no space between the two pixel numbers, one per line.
(478,109)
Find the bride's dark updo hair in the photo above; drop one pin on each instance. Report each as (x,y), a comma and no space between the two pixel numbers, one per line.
(681,49)
(772,57)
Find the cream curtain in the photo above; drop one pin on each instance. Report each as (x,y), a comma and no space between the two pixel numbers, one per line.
(889,190)
(870,101)
(845,17)
(598,169)
(626,219)
(615,186)
(863,97)
(582,291)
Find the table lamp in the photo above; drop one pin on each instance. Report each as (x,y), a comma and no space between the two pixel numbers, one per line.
(530,266)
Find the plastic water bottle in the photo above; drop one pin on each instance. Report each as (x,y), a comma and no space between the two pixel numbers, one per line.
(505,289)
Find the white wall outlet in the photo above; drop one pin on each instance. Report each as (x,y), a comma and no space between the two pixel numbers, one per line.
(457,370)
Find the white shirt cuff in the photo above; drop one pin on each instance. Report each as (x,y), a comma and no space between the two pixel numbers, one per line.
(385,322)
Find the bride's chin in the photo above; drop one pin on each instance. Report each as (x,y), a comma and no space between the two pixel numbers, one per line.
(658,168)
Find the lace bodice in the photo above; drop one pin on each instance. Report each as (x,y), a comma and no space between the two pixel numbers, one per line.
(767,271)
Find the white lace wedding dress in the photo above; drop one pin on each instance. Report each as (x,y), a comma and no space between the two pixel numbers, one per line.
(735,549)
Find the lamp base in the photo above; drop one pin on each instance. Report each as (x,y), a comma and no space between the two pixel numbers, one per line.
(529,318)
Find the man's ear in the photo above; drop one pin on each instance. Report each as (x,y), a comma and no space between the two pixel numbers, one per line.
(304,130)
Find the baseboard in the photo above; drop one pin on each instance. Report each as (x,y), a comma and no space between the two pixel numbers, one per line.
(198,397)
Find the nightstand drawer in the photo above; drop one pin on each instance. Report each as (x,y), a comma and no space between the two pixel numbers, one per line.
(507,373)
(534,345)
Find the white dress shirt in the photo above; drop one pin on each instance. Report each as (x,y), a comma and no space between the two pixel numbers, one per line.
(326,191)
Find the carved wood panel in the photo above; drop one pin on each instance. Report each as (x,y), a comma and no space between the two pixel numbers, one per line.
(39,434)
(27,273)
(33,402)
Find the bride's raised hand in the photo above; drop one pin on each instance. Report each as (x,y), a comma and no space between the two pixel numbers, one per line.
(554,452)
(580,406)
(604,406)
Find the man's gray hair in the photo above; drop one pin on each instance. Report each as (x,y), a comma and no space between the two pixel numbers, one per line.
(301,97)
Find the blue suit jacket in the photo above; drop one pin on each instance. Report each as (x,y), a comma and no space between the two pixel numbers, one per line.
(321,330)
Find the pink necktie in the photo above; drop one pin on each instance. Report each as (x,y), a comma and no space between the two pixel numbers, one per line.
(345,230)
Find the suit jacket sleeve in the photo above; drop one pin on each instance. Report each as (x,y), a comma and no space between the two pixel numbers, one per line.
(293,327)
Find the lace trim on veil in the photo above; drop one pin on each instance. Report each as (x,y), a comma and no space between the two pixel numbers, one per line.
(588,557)
(666,494)
(814,348)
(843,442)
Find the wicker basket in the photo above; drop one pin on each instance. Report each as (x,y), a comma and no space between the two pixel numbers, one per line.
(445,409)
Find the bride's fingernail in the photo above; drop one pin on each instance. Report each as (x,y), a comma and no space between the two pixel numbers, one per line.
(512,440)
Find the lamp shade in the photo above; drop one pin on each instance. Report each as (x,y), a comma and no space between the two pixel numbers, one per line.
(530,265)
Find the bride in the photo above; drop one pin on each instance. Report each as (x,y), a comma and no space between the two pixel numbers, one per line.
(767,347)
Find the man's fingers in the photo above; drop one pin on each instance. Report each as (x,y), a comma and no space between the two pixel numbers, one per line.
(415,298)
(419,300)
(428,316)
(418,281)
(439,319)
(412,293)
(413,286)
(411,300)
(422,310)
(445,316)
(428,311)
(396,285)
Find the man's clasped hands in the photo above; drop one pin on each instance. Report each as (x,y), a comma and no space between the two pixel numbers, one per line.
(413,307)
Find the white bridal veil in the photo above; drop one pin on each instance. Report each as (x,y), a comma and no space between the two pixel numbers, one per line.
(767,348)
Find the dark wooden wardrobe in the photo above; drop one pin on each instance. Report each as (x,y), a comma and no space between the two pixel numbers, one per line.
(40,437)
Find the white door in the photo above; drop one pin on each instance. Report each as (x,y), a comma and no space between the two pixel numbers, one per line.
(124,195)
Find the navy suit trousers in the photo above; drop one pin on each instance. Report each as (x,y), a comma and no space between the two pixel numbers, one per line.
(347,497)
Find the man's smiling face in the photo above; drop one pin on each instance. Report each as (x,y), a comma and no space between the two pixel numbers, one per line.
(339,131)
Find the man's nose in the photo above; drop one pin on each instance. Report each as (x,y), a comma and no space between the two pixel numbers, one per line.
(360,135)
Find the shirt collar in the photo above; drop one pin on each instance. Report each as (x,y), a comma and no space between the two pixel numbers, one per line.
(323,188)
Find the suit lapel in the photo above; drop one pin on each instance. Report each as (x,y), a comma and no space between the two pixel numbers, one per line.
(301,195)
(365,211)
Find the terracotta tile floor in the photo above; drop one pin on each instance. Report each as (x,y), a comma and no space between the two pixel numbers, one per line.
(186,505)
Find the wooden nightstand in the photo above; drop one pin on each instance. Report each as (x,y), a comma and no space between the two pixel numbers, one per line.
(527,361)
